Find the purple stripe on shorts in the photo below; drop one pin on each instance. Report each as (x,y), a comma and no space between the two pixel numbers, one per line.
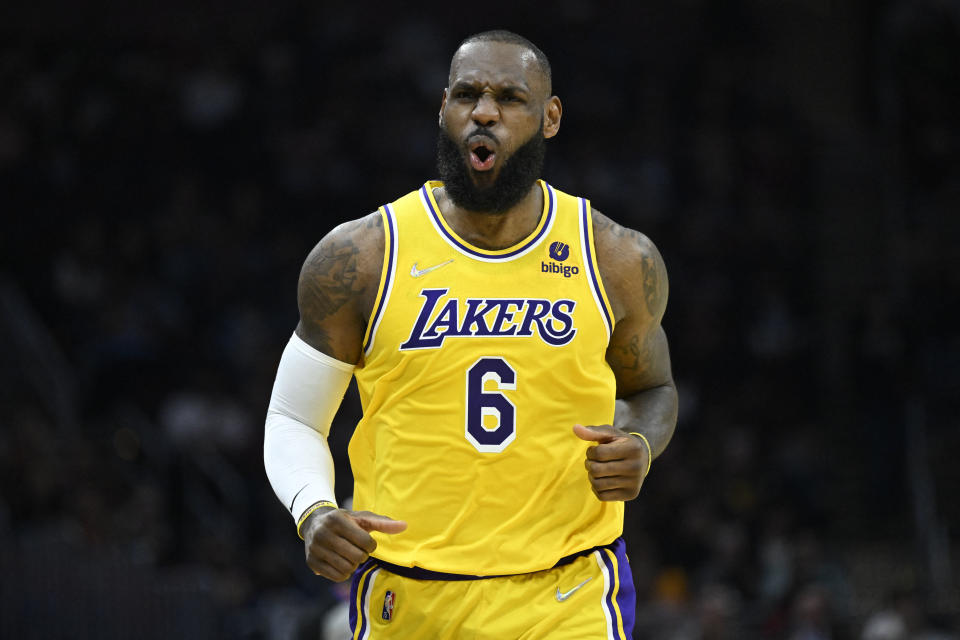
(626,596)
(354,585)
(608,596)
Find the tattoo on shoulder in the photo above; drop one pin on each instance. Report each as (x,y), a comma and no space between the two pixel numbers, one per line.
(652,273)
(603,224)
(330,276)
(372,221)
(651,284)
(628,358)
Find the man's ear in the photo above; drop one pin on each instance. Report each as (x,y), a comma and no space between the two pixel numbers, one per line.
(443,105)
(552,112)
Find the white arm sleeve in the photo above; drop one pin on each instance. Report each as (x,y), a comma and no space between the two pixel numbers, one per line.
(306,395)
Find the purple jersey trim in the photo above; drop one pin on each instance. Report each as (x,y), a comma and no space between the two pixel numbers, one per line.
(384,293)
(591,262)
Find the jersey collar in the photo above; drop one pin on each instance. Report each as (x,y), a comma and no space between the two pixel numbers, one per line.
(490,255)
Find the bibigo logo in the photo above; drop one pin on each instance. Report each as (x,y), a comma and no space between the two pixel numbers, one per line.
(559,251)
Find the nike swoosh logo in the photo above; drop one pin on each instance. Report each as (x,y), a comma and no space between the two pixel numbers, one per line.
(563,596)
(416,273)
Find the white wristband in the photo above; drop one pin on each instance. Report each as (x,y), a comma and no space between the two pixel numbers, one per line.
(306,395)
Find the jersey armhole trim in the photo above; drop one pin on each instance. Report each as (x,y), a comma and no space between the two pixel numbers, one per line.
(593,271)
(387,274)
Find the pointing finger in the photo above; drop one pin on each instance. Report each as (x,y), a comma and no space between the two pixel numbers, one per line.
(375,522)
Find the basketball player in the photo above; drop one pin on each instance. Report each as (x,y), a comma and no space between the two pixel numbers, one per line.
(514,377)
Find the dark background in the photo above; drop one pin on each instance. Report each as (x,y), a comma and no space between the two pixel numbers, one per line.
(165,168)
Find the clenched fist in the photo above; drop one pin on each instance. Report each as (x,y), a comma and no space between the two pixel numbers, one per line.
(337,541)
(617,464)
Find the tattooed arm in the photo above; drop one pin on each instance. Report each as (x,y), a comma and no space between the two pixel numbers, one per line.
(635,280)
(337,287)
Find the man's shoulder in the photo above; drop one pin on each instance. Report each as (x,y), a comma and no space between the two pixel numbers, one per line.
(366,233)
(358,242)
(614,237)
(337,287)
(360,230)
(626,256)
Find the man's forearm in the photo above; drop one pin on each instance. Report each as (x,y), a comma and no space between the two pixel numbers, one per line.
(652,412)
(306,394)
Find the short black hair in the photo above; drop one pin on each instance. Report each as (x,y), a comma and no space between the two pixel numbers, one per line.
(502,35)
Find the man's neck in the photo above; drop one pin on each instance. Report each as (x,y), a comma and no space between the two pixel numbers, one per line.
(493,230)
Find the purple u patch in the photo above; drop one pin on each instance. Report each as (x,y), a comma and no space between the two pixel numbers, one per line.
(559,251)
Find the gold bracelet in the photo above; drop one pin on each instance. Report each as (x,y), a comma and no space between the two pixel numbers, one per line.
(649,450)
(311,509)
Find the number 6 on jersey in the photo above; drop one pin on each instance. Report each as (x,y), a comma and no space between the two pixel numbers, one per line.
(482,405)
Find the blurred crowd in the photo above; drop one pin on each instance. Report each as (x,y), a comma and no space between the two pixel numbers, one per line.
(798,169)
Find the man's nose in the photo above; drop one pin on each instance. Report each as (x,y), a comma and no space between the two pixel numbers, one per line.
(486,112)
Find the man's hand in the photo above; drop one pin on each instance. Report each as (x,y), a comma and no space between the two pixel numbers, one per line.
(338,541)
(616,464)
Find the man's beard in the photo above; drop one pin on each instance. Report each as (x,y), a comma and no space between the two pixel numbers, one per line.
(516,175)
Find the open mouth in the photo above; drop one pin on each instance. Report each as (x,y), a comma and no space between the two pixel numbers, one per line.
(481,156)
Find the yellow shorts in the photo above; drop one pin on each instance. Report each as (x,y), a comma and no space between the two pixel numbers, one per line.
(587,595)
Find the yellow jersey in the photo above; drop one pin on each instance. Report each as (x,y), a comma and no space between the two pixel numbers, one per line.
(476,365)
